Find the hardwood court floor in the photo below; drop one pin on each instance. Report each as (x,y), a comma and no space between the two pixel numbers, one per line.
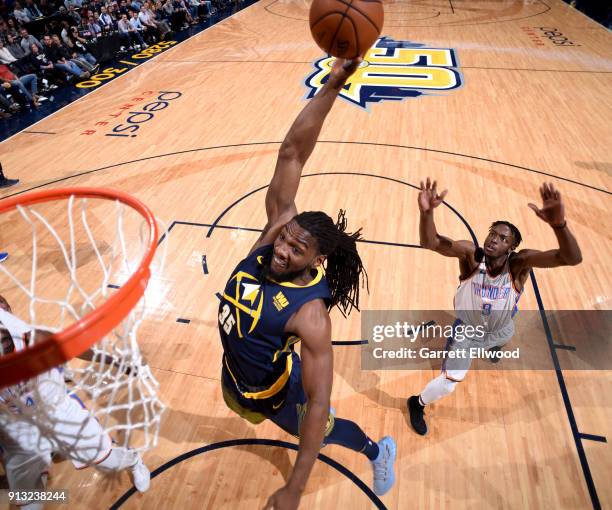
(528,110)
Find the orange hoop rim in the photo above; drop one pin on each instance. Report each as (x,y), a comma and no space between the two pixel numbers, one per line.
(65,345)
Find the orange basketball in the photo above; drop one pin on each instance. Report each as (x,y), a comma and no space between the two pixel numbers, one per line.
(346,28)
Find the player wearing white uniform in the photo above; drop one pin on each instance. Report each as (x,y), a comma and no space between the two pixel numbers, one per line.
(492,280)
(26,449)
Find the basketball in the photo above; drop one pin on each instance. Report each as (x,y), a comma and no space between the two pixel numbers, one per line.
(346,29)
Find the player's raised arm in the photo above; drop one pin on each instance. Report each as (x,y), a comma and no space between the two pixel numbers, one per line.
(553,213)
(296,149)
(313,325)
(429,199)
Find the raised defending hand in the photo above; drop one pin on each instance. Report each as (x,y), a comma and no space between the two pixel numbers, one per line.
(428,197)
(342,69)
(552,211)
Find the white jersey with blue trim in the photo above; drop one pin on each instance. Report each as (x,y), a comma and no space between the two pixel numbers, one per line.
(48,386)
(490,302)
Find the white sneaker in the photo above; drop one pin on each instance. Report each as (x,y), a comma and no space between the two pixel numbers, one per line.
(384,477)
(141,476)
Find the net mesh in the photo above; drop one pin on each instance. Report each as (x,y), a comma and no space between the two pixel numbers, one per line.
(81,251)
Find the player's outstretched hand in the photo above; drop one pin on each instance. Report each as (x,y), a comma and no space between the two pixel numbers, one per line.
(553,210)
(342,69)
(428,196)
(283,499)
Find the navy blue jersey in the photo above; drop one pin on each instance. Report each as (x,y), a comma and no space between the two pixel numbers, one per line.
(253,313)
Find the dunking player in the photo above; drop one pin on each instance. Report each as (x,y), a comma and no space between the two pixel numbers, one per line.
(491,281)
(26,449)
(280,294)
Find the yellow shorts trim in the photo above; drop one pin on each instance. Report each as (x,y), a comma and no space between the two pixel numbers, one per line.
(272,390)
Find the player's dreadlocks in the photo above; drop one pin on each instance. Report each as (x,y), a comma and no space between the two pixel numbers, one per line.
(344,270)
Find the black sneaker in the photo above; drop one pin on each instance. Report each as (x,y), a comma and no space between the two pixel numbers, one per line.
(5,183)
(416,412)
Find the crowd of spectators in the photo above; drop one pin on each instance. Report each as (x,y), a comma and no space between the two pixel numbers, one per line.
(46,44)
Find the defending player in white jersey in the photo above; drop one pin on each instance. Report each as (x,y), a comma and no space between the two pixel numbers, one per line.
(491,281)
(26,449)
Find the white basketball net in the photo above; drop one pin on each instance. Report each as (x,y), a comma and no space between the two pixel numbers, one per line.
(78,248)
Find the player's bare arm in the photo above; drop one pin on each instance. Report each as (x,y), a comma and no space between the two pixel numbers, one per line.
(428,200)
(567,254)
(313,325)
(296,149)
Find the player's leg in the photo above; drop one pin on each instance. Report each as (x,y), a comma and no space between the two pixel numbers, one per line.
(26,458)
(92,446)
(454,371)
(338,431)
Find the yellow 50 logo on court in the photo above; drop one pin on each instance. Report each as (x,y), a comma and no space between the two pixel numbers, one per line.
(393,71)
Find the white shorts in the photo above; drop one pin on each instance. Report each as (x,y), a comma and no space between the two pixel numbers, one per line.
(456,368)
(27,452)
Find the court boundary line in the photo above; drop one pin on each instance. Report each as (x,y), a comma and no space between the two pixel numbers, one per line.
(248,144)
(255,442)
(191,61)
(547,9)
(584,461)
(124,74)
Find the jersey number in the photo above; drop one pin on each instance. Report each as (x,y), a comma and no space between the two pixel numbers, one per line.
(226,319)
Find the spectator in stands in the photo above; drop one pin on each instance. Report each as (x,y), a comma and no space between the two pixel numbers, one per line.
(79,46)
(14,47)
(47,7)
(33,11)
(74,14)
(160,12)
(148,21)
(181,7)
(11,28)
(75,3)
(129,34)
(27,40)
(20,14)
(93,27)
(84,12)
(123,8)
(54,55)
(113,10)
(194,7)
(83,29)
(5,55)
(7,106)
(70,55)
(37,62)
(161,24)
(178,19)
(3,29)
(14,84)
(106,21)
(65,31)
(141,29)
